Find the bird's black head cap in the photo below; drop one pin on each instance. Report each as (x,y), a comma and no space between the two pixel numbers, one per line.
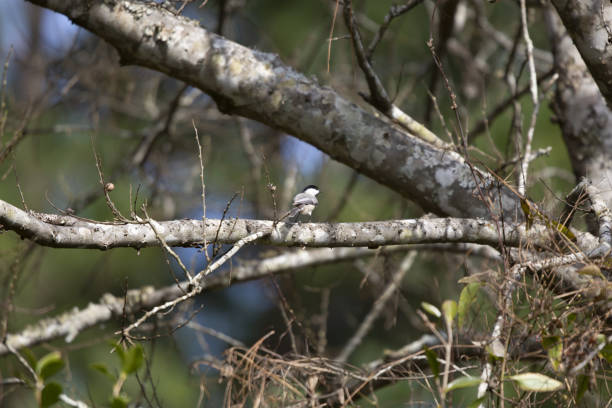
(310,186)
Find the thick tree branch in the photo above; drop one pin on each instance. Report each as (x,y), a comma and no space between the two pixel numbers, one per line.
(582,112)
(70,324)
(259,86)
(589,23)
(68,232)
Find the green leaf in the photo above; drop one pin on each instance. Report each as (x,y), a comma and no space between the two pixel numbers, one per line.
(49,365)
(29,356)
(554,346)
(591,270)
(50,394)
(463,382)
(431,309)
(467,297)
(606,352)
(476,403)
(104,370)
(432,360)
(527,212)
(531,212)
(550,342)
(449,310)
(120,402)
(133,359)
(118,348)
(582,382)
(536,382)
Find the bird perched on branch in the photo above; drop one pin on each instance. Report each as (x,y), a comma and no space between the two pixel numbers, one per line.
(304,202)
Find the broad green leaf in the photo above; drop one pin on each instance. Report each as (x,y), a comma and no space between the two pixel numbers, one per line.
(133,358)
(118,348)
(550,341)
(104,370)
(527,212)
(476,403)
(50,394)
(582,382)
(467,297)
(432,359)
(554,346)
(591,270)
(49,364)
(29,356)
(536,382)
(120,402)
(606,352)
(431,309)
(463,382)
(449,310)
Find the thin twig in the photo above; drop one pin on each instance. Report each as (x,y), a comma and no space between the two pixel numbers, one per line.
(344,197)
(481,126)
(155,227)
(197,138)
(377,308)
(331,34)
(324,313)
(533,87)
(3,88)
(378,96)
(394,11)
(106,187)
(254,160)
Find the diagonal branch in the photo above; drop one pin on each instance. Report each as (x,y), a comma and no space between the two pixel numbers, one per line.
(70,324)
(589,23)
(259,86)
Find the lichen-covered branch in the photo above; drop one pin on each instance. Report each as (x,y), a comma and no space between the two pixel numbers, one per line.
(589,23)
(583,114)
(71,323)
(260,86)
(68,232)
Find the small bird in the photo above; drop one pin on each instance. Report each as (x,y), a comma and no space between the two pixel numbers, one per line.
(304,202)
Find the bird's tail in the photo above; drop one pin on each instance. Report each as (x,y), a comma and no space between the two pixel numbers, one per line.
(291,214)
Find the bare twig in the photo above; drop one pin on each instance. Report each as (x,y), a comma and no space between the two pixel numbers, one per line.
(344,197)
(254,160)
(202,185)
(394,12)
(3,91)
(162,126)
(155,227)
(331,34)
(574,370)
(106,187)
(378,95)
(324,313)
(533,88)
(214,333)
(481,126)
(377,308)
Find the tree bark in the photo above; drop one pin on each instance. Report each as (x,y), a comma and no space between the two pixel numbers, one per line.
(259,86)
